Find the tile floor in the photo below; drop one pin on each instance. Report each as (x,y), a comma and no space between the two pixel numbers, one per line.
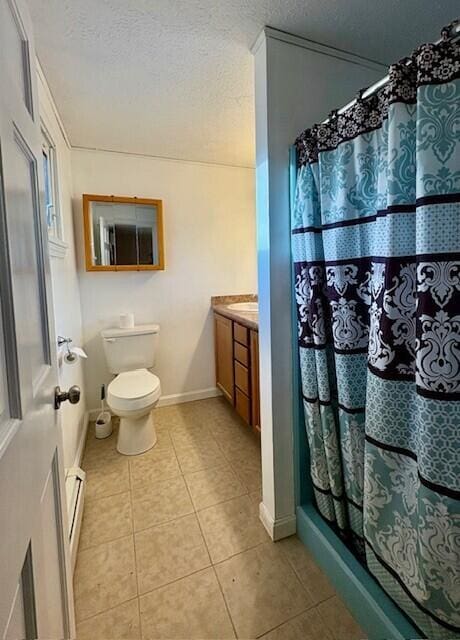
(172,547)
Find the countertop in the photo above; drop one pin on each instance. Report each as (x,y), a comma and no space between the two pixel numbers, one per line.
(249,319)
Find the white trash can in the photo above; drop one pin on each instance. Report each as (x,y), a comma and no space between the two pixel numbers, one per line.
(104,425)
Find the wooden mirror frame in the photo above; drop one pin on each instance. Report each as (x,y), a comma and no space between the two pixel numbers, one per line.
(87,199)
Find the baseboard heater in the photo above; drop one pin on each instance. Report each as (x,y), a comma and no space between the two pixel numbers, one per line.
(75,492)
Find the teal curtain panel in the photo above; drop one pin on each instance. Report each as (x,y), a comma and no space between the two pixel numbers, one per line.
(376,250)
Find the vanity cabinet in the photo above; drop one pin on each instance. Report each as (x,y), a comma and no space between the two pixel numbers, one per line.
(237,367)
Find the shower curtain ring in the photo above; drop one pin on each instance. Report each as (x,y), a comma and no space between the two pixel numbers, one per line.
(447,31)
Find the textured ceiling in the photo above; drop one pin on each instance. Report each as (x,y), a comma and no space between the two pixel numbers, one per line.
(174,78)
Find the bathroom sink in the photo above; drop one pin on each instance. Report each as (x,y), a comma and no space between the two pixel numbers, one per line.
(244,306)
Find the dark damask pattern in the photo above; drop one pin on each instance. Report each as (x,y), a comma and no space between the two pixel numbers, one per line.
(437,63)
(312,305)
(381,318)
(403,312)
(429,64)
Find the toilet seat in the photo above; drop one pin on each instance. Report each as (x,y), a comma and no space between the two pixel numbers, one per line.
(133,390)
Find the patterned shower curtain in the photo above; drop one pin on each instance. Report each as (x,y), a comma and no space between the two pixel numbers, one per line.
(376,250)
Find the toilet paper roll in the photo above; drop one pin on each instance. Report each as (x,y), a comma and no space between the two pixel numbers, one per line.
(72,356)
(126,320)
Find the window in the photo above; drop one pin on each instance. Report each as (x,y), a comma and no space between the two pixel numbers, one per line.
(52,210)
(51,200)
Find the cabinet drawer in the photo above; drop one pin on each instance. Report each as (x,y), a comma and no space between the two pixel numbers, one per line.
(241,353)
(240,334)
(242,377)
(243,405)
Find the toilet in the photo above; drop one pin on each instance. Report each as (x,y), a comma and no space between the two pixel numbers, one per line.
(135,390)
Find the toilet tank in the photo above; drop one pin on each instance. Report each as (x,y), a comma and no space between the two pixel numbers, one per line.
(129,349)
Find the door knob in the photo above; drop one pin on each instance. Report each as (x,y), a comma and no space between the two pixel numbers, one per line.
(72,395)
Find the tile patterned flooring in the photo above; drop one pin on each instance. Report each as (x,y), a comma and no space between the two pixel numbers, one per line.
(171,544)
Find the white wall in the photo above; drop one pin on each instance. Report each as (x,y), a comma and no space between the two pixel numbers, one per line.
(210,249)
(297,83)
(66,295)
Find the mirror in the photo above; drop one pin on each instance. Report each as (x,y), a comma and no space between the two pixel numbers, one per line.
(123,234)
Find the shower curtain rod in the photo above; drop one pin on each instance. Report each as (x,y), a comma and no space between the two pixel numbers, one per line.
(447,33)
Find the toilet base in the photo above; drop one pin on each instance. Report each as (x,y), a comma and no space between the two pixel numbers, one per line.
(136,435)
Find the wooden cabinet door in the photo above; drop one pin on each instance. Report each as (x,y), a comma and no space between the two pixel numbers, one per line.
(255,380)
(223,335)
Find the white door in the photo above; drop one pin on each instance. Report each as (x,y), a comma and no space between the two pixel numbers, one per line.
(35,585)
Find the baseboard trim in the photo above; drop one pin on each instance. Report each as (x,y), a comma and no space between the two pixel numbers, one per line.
(189,396)
(175,398)
(82,440)
(279,528)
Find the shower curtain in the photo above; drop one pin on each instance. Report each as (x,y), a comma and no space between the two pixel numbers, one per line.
(376,250)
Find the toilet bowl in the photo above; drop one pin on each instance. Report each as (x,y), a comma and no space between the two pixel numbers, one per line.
(135,390)
(132,395)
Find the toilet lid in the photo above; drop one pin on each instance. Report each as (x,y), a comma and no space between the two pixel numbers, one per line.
(132,385)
